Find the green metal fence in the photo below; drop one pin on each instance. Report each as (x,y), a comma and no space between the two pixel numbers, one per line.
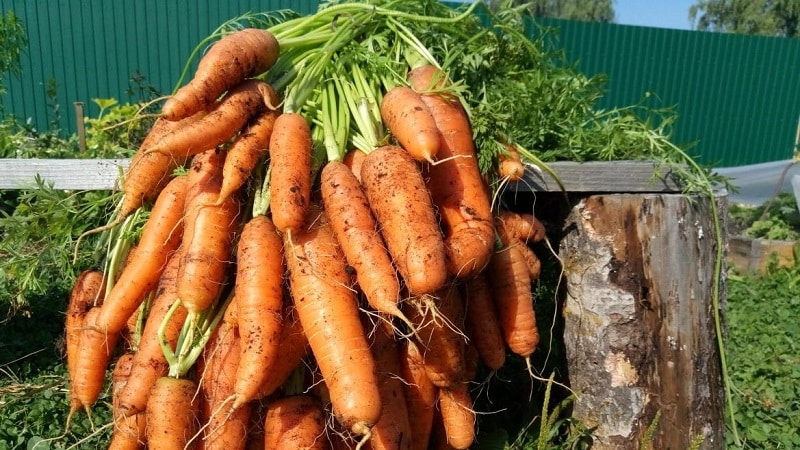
(737,97)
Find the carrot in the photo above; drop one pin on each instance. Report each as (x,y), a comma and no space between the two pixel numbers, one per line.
(439,323)
(532,262)
(393,429)
(223,427)
(290,171)
(222,121)
(160,237)
(354,159)
(519,227)
(208,237)
(259,303)
(129,432)
(292,349)
(328,311)
(229,61)
(172,414)
(351,219)
(245,152)
(458,418)
(396,192)
(510,281)
(92,359)
(420,395)
(295,422)
(85,292)
(410,122)
(149,363)
(483,326)
(455,183)
(509,164)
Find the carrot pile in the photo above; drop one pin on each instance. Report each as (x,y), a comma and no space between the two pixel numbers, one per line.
(325,268)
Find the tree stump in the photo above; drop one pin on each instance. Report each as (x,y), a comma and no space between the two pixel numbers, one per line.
(639,321)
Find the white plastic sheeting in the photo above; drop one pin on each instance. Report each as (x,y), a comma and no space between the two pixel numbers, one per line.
(758,183)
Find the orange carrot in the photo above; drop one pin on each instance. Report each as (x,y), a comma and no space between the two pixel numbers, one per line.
(509,164)
(129,432)
(295,422)
(85,291)
(160,237)
(351,219)
(292,349)
(149,363)
(223,428)
(172,414)
(290,171)
(246,150)
(440,323)
(222,121)
(208,238)
(239,55)
(94,354)
(510,281)
(402,206)
(328,310)
(455,183)
(532,262)
(482,323)
(354,159)
(519,227)
(411,123)
(393,429)
(420,395)
(259,303)
(458,418)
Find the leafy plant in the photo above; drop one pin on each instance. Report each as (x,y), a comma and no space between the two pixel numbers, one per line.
(777,219)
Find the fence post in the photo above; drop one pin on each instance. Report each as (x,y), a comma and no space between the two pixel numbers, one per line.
(79,125)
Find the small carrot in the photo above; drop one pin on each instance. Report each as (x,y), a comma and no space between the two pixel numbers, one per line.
(290,171)
(393,429)
(208,237)
(149,363)
(351,219)
(519,227)
(509,164)
(239,55)
(410,122)
(455,182)
(458,417)
(397,195)
(483,326)
(259,303)
(129,431)
(420,395)
(354,159)
(95,348)
(295,422)
(160,237)
(85,292)
(172,414)
(328,310)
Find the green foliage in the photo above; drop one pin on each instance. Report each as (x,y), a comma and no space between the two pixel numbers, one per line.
(764,357)
(777,219)
(13,41)
(592,10)
(762,17)
(115,132)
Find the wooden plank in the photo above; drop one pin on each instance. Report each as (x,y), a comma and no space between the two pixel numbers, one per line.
(589,177)
(67,174)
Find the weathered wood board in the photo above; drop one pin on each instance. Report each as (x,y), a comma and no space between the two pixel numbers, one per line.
(67,174)
(639,320)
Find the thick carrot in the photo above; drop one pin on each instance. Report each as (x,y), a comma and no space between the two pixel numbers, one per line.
(420,395)
(455,182)
(458,417)
(208,237)
(223,428)
(292,349)
(351,219)
(160,237)
(410,122)
(393,429)
(129,431)
(354,159)
(229,61)
(222,122)
(85,291)
(149,363)
(511,284)
(404,211)
(483,326)
(172,414)
(246,151)
(94,354)
(328,311)
(295,422)
(509,164)
(290,171)
(259,303)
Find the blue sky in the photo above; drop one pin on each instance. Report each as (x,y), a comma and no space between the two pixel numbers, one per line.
(654,13)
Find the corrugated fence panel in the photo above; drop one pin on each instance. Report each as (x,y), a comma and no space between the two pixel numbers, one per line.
(92,49)
(737,97)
